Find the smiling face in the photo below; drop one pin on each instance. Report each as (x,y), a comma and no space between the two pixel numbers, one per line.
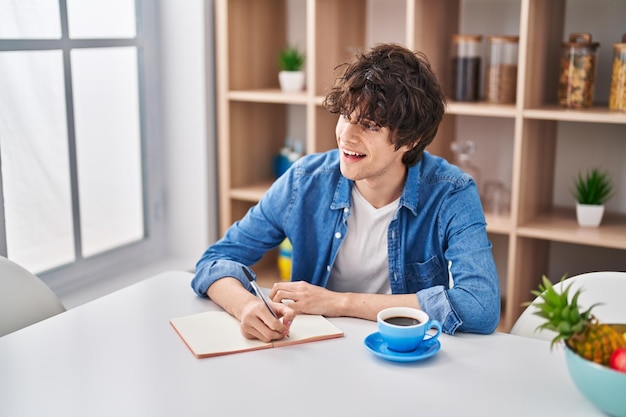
(367,155)
(394,87)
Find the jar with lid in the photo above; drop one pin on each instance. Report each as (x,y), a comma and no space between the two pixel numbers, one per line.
(617,98)
(501,80)
(578,71)
(466,63)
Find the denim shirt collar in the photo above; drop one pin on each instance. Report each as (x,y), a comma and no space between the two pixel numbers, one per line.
(341,199)
(409,198)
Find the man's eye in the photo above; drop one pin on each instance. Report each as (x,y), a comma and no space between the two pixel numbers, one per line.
(371,126)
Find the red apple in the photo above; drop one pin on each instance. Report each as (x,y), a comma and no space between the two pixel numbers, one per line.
(618,360)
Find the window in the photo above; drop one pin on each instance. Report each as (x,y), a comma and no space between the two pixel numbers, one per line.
(77,87)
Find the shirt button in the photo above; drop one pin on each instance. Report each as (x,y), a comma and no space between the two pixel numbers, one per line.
(338,235)
(328,267)
(345,210)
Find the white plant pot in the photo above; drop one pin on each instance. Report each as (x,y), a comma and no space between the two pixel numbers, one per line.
(291,81)
(589,215)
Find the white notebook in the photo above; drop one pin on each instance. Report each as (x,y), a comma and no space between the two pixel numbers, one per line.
(215,333)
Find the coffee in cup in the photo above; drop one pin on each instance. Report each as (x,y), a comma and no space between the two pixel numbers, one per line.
(405,328)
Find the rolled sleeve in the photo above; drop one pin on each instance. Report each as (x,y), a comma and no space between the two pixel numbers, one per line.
(208,273)
(435,302)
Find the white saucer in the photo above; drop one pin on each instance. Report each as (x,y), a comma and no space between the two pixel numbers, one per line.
(374,342)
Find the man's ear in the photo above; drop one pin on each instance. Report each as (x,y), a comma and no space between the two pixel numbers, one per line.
(415,144)
(406,148)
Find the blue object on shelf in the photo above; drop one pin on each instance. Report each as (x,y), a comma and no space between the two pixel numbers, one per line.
(287,156)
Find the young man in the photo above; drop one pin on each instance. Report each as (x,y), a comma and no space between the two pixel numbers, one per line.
(376,223)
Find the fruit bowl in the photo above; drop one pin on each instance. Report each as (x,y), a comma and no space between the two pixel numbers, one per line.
(602,386)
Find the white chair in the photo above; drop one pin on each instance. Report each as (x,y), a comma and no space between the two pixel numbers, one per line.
(607,288)
(24,298)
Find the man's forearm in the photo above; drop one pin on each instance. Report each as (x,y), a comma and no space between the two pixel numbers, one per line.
(229,294)
(367,306)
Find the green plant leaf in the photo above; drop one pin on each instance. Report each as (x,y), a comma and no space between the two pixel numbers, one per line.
(290,59)
(595,187)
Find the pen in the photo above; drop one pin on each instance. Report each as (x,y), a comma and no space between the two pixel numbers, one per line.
(258,292)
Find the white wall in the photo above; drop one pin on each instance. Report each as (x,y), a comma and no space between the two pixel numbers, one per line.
(188,125)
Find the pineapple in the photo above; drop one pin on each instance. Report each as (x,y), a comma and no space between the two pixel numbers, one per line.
(580,330)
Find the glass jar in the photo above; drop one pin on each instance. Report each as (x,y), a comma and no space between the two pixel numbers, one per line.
(497,199)
(578,70)
(617,99)
(501,82)
(466,63)
(463,151)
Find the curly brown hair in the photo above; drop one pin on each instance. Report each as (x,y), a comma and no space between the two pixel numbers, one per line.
(393,87)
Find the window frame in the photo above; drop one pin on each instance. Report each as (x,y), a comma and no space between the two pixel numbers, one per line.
(152,246)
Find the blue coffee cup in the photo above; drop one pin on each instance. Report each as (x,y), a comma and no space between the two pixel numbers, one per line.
(404,328)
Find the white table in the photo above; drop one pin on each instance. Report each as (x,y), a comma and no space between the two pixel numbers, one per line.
(119,356)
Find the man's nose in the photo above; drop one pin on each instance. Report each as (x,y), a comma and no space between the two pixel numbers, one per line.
(349,131)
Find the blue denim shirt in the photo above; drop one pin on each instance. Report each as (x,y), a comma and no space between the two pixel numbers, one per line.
(438,229)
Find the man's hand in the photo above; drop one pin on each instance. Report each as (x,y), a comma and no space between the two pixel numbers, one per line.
(308,298)
(257,322)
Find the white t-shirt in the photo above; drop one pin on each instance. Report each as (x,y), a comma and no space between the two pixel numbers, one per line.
(362,263)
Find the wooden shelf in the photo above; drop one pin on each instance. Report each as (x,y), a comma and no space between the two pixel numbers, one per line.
(252,193)
(598,114)
(481,109)
(560,225)
(500,224)
(254,116)
(269,96)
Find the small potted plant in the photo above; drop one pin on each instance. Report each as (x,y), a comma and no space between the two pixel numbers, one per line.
(291,76)
(591,191)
